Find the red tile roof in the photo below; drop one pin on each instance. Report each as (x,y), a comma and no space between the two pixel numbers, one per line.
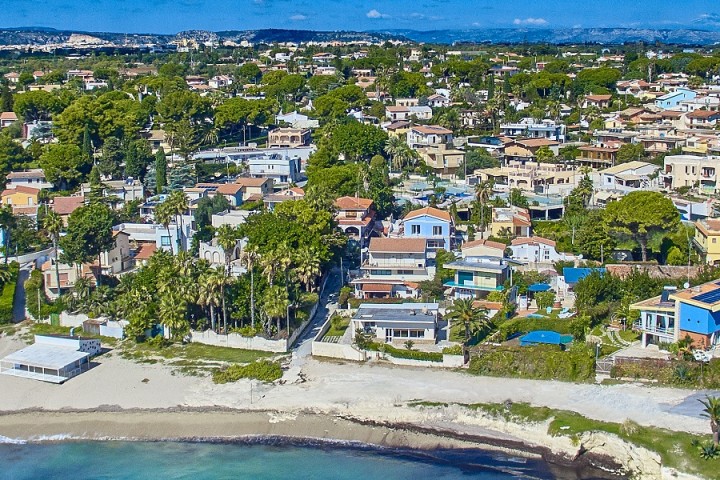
(67,205)
(21,189)
(398,245)
(483,242)
(532,240)
(431,211)
(353,203)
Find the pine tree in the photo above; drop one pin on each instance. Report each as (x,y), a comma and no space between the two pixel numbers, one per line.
(96,186)
(160,171)
(6,99)
(87,148)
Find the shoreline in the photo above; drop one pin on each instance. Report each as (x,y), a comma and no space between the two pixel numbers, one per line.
(224,425)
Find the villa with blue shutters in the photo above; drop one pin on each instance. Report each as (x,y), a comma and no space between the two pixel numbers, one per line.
(432,224)
(676,314)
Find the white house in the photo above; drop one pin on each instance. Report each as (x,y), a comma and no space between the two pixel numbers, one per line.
(629,177)
(398,323)
(278,167)
(428,135)
(536,250)
(52,358)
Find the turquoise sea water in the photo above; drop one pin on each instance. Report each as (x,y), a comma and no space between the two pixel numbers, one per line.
(200,461)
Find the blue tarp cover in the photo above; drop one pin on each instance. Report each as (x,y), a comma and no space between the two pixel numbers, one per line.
(546,337)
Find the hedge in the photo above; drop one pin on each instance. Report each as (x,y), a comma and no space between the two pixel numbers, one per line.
(264,370)
(405,353)
(676,373)
(545,362)
(524,325)
(7,297)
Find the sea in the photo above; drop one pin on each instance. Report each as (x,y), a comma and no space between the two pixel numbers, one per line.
(270,460)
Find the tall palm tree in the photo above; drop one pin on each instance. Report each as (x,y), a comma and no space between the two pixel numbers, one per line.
(172,314)
(249,257)
(179,204)
(212,294)
(712,411)
(275,304)
(483,192)
(269,263)
(399,152)
(53,224)
(227,238)
(473,319)
(163,215)
(307,266)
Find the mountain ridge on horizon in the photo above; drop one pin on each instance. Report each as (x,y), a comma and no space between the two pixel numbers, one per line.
(600,35)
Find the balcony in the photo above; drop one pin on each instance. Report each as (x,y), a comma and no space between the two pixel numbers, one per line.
(655,329)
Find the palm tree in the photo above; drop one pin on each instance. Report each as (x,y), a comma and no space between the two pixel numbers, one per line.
(179,204)
(249,256)
(483,191)
(712,411)
(172,314)
(573,222)
(307,266)
(275,304)
(269,263)
(399,152)
(209,294)
(227,238)
(473,319)
(53,224)
(163,215)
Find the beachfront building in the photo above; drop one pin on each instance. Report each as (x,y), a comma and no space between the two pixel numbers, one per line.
(692,312)
(393,268)
(52,358)
(477,275)
(398,323)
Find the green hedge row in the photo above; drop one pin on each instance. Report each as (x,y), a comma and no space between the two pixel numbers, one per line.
(264,370)
(7,296)
(545,362)
(524,325)
(405,353)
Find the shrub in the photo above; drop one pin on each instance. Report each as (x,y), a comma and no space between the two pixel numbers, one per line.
(524,325)
(454,350)
(8,294)
(545,299)
(408,354)
(248,331)
(546,362)
(264,370)
(345,293)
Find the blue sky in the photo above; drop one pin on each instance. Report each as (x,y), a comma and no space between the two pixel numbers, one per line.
(170,16)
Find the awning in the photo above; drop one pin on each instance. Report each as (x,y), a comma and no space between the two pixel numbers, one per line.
(539,287)
(377,288)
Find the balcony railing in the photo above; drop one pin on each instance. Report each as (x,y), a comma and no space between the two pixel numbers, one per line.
(655,329)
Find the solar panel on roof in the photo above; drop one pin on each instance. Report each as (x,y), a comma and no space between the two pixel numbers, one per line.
(708,297)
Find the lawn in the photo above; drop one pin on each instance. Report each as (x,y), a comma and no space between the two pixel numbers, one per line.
(196,352)
(676,449)
(338,326)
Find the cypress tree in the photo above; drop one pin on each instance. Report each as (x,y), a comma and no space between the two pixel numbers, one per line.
(160,171)
(87,145)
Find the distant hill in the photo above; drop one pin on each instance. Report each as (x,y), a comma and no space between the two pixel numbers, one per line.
(564,36)
(608,36)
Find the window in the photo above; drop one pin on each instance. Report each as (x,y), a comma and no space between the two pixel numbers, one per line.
(165,241)
(380,272)
(415,229)
(404,272)
(714,240)
(547,254)
(437,230)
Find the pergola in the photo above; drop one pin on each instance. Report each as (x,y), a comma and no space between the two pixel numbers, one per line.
(48,363)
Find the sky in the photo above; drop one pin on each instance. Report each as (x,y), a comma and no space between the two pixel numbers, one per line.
(171,16)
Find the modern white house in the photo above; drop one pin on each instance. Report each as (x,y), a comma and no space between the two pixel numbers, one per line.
(629,177)
(398,323)
(34,178)
(52,358)
(280,168)
(531,128)
(428,135)
(536,250)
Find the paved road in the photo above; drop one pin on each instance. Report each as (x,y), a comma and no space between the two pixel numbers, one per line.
(303,345)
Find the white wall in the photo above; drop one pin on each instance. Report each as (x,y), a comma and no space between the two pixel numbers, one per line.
(235,340)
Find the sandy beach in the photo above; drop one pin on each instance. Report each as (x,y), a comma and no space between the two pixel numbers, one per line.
(367,403)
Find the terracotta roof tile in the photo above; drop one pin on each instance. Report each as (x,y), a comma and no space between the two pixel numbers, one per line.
(67,205)
(431,211)
(398,245)
(353,203)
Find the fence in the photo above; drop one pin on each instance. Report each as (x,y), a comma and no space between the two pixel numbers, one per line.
(335,350)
